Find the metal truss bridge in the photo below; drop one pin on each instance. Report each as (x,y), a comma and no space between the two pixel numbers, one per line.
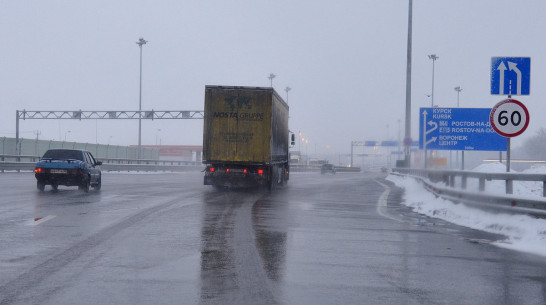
(107,115)
(83,115)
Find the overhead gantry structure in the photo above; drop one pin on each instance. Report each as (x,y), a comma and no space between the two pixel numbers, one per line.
(106,115)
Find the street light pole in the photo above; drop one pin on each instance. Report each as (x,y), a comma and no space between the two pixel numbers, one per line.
(271,77)
(458,89)
(287,89)
(299,143)
(156,134)
(306,151)
(434,58)
(140,42)
(407,138)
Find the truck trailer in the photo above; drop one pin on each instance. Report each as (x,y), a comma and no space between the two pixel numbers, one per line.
(245,137)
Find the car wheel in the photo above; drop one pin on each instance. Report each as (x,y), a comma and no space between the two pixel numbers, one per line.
(98,185)
(40,185)
(55,187)
(85,186)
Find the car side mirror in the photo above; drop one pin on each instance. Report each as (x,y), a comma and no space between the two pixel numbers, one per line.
(293,140)
(98,163)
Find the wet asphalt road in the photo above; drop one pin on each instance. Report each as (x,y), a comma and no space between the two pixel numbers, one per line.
(167,239)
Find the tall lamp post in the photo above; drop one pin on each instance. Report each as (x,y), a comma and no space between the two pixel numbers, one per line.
(407,133)
(140,43)
(306,151)
(287,89)
(434,58)
(458,89)
(299,142)
(156,134)
(271,77)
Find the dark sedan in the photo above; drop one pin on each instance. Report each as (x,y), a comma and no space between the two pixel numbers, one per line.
(69,167)
(327,168)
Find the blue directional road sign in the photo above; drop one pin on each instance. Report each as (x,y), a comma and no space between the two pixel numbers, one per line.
(510,75)
(458,129)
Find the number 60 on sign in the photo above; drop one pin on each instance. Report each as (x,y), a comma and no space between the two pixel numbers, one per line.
(509,118)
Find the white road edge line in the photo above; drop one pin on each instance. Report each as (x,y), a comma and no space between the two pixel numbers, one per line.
(382,203)
(38,221)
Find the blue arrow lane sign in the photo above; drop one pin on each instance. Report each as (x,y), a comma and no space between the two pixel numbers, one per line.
(458,129)
(510,75)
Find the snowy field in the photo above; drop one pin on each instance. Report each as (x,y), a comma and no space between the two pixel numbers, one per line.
(523,233)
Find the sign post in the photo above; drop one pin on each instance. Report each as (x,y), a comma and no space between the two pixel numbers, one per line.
(509,118)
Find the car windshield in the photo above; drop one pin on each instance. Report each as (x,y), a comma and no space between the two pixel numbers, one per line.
(63,154)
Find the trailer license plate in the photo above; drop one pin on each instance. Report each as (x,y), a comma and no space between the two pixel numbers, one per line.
(58,171)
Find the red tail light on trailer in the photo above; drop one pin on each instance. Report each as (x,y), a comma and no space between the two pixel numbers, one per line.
(260,171)
(211,169)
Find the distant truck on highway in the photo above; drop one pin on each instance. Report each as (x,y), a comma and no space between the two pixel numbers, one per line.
(245,137)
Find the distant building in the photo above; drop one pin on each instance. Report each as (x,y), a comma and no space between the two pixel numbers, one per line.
(179,152)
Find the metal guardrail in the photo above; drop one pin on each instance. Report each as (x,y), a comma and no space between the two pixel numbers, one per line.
(27,163)
(149,167)
(32,158)
(19,162)
(16,166)
(19,158)
(316,168)
(449,177)
(509,202)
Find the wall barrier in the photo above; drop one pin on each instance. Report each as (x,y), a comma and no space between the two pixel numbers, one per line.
(37,147)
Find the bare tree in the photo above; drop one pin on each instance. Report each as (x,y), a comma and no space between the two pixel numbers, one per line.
(535,147)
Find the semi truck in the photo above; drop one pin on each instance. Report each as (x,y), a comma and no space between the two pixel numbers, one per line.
(245,137)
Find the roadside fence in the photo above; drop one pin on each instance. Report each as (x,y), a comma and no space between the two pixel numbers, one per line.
(453,185)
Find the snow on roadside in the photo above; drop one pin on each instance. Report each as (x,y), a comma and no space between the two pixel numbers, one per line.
(523,233)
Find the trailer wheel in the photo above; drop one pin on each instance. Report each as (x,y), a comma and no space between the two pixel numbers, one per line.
(272,178)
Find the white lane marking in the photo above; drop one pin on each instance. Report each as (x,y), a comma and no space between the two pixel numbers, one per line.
(38,220)
(382,203)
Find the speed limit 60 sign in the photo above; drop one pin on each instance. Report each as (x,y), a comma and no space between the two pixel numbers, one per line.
(509,118)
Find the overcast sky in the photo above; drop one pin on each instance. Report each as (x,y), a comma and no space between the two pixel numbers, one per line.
(344,60)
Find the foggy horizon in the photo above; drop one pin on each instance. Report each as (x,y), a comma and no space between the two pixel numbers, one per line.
(345,63)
